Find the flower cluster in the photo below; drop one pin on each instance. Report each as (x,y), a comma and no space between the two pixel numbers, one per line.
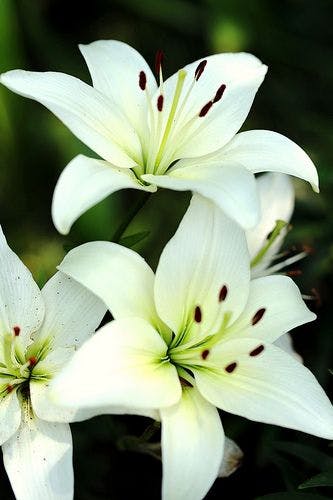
(208,330)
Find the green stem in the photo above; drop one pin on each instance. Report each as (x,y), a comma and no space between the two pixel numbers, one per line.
(279,225)
(130,216)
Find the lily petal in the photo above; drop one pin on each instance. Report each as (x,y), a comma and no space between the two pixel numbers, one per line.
(38,461)
(21,303)
(117,275)
(277,199)
(123,364)
(263,383)
(232,458)
(115,68)
(274,307)
(285,342)
(10,416)
(85,182)
(241,73)
(231,187)
(192,447)
(264,150)
(90,115)
(205,265)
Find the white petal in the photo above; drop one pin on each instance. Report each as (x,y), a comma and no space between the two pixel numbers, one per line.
(263,150)
(270,386)
(117,275)
(10,416)
(85,182)
(242,74)
(284,309)
(72,312)
(285,342)
(91,116)
(38,461)
(207,253)
(21,303)
(232,458)
(231,187)
(192,447)
(115,67)
(277,199)
(122,365)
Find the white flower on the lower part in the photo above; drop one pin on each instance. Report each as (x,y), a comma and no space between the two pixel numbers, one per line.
(40,331)
(196,336)
(180,134)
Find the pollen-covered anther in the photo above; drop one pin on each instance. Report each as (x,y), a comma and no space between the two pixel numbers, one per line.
(142,80)
(32,361)
(16,330)
(160,101)
(223,293)
(204,110)
(219,93)
(230,368)
(258,350)
(258,316)
(158,61)
(197,314)
(9,388)
(205,354)
(200,69)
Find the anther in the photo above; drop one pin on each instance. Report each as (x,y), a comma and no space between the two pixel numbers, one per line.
(200,69)
(219,93)
(197,314)
(204,354)
(258,315)
(185,383)
(205,108)
(16,330)
(160,101)
(230,368)
(9,388)
(223,293)
(294,272)
(158,61)
(142,80)
(32,361)
(257,350)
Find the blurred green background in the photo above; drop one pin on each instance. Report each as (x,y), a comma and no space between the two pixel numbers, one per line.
(295,39)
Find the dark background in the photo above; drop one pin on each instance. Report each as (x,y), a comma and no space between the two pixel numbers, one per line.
(294,38)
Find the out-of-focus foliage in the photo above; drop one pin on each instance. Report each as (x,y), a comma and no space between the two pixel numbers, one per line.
(295,38)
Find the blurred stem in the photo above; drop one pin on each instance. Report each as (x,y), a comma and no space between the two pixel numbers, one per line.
(130,216)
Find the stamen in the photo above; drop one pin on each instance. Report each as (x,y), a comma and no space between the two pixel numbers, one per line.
(257,350)
(294,272)
(200,69)
(32,361)
(197,314)
(204,354)
(142,80)
(223,293)
(9,388)
(16,330)
(159,61)
(185,383)
(219,93)
(160,101)
(230,368)
(258,316)
(205,109)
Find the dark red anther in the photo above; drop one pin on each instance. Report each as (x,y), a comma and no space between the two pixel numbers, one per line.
(294,272)
(257,350)
(206,108)
(258,315)
(197,314)
(158,61)
(200,69)
(33,361)
(223,293)
(219,93)
(230,368)
(160,101)
(9,388)
(142,80)
(204,354)
(16,330)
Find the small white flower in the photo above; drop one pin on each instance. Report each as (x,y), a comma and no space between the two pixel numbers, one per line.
(196,336)
(180,134)
(40,331)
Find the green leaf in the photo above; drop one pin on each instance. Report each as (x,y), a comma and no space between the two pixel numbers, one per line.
(133,239)
(322,479)
(305,453)
(292,496)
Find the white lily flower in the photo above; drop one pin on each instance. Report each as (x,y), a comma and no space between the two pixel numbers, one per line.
(40,330)
(180,134)
(196,336)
